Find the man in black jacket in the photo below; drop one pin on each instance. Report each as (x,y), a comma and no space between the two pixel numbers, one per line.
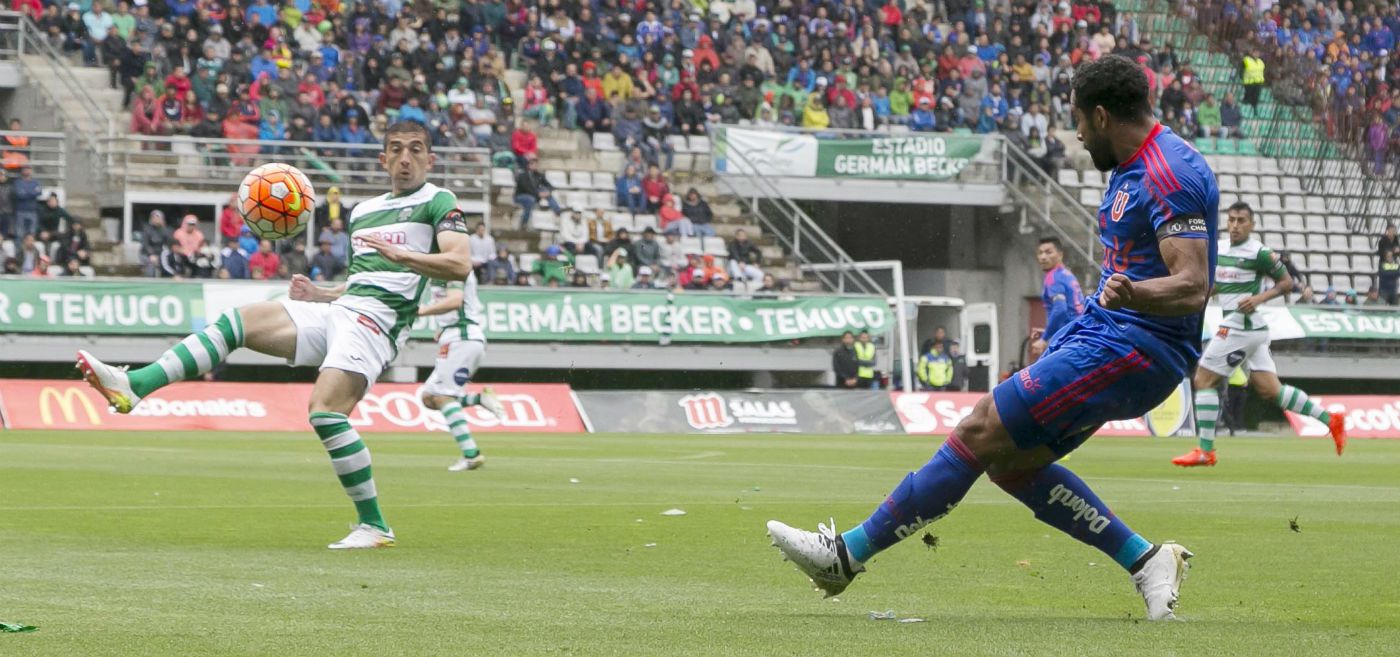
(155,242)
(843,362)
(531,189)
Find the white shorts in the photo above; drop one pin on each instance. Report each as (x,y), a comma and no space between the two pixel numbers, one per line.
(339,338)
(456,363)
(1233,347)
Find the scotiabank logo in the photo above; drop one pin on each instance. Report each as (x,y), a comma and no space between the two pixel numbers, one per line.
(1367,416)
(403,409)
(68,401)
(710,410)
(705,411)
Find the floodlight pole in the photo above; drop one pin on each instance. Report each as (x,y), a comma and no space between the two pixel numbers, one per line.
(896,268)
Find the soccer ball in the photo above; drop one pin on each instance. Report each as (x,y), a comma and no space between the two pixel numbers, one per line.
(276,201)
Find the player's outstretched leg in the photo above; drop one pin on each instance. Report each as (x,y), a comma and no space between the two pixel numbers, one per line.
(191,358)
(472,458)
(1293,399)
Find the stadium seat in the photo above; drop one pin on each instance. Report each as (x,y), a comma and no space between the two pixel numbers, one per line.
(691,245)
(576,201)
(1295,242)
(1227,182)
(1249,183)
(1271,203)
(87,271)
(604,182)
(7,248)
(1274,241)
(1293,223)
(603,200)
(1269,184)
(1319,205)
(1069,177)
(527,261)
(1338,243)
(1361,244)
(620,220)
(1361,283)
(1090,197)
(1294,203)
(1092,178)
(1316,262)
(1363,264)
(544,220)
(1317,243)
(502,177)
(1227,164)
(642,222)
(1290,185)
(581,180)
(1337,224)
(1252,199)
(699,144)
(587,264)
(714,246)
(1265,222)
(1341,282)
(557,179)
(604,141)
(1227,199)
(1339,263)
(1315,223)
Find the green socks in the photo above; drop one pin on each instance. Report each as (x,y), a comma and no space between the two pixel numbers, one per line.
(193,357)
(1207,413)
(1293,399)
(457,423)
(350,458)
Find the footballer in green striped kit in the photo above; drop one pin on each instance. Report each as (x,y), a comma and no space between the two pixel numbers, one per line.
(1242,340)
(351,332)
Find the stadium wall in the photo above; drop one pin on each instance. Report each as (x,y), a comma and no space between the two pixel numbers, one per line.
(556,408)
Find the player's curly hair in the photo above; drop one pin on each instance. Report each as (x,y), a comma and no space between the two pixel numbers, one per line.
(1115,83)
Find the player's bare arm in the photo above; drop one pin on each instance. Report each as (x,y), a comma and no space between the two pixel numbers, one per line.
(1183,292)
(450,302)
(452,263)
(1282,285)
(302,289)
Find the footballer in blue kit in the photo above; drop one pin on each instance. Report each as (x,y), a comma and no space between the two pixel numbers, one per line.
(1137,338)
(1059,293)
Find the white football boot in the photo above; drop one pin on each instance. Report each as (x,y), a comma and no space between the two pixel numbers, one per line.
(820,555)
(1159,580)
(364,536)
(490,402)
(463,464)
(112,382)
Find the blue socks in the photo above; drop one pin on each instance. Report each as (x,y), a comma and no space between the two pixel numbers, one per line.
(1063,501)
(923,497)
(1058,497)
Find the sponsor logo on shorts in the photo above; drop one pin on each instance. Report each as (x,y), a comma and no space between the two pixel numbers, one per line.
(462,376)
(1222,332)
(1235,357)
(368,323)
(444,349)
(1083,511)
(1030,384)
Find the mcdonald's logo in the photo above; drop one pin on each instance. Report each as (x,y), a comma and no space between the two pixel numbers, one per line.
(67,400)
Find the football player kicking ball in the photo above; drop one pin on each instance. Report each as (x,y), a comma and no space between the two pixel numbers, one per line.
(1243,337)
(1137,339)
(351,332)
(456,311)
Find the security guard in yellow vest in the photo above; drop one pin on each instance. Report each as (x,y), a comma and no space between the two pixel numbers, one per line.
(1253,78)
(935,368)
(865,362)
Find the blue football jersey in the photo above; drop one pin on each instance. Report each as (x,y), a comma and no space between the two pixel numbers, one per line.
(1165,190)
(1063,299)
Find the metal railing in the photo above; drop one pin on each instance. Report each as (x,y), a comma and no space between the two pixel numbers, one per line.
(1042,198)
(45,152)
(183,163)
(795,231)
(85,126)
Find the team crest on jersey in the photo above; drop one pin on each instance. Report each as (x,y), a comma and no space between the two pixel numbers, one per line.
(405,213)
(1120,203)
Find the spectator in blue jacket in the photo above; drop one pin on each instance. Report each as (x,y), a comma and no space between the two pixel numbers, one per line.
(629,191)
(412,110)
(592,113)
(921,119)
(27,191)
(354,133)
(802,76)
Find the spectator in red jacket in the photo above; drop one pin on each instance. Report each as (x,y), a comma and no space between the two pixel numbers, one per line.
(230,222)
(178,81)
(265,262)
(655,188)
(146,117)
(524,143)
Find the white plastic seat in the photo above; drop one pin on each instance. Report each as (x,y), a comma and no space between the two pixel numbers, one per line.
(714,246)
(1293,223)
(1341,282)
(1361,244)
(1069,177)
(1361,283)
(604,181)
(1363,264)
(1090,197)
(1270,203)
(605,200)
(604,141)
(587,264)
(1295,242)
(1318,205)
(1265,222)
(1274,241)
(699,144)
(691,245)
(557,179)
(526,261)
(1227,182)
(1317,242)
(502,177)
(1337,224)
(581,180)
(1316,262)
(1339,263)
(544,220)
(1249,183)
(621,220)
(1290,185)
(1315,223)
(1338,243)
(642,222)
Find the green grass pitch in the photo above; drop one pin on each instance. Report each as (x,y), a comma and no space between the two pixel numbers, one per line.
(213,544)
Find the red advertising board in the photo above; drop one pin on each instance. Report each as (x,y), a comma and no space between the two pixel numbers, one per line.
(938,413)
(199,406)
(1368,416)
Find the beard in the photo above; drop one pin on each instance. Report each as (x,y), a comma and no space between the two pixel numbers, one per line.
(1102,154)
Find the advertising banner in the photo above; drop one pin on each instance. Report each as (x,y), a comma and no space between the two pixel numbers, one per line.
(805,155)
(133,307)
(938,413)
(177,308)
(1368,416)
(199,406)
(1294,322)
(809,411)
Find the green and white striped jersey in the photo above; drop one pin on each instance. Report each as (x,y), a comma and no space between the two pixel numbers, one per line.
(466,320)
(388,292)
(1239,274)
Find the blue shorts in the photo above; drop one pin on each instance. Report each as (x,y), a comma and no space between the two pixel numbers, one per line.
(1094,371)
